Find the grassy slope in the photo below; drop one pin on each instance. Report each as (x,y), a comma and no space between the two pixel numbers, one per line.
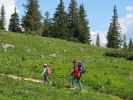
(107,75)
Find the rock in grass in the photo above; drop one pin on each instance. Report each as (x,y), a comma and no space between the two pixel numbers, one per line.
(131,76)
(6,46)
(53,55)
(64,50)
(82,50)
(42,56)
(28,50)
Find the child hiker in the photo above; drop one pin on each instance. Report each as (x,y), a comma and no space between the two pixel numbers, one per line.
(46,72)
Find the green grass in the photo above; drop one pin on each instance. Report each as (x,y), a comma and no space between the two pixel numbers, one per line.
(108,76)
(22,90)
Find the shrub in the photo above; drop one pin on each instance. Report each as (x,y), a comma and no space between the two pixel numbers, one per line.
(116,53)
(130,56)
(120,53)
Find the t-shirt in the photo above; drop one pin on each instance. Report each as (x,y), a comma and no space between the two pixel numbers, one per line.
(45,71)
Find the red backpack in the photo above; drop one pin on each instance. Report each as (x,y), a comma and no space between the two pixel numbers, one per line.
(49,71)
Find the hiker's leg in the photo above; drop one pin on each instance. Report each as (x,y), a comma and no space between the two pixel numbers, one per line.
(79,83)
(73,81)
(45,79)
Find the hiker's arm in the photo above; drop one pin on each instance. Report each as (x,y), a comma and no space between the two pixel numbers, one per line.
(44,71)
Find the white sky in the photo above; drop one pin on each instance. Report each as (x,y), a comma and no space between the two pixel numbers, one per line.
(9,6)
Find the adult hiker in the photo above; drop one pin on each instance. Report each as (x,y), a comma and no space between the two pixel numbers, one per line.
(76,75)
(46,72)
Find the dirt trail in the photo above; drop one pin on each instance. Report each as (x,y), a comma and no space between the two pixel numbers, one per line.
(21,78)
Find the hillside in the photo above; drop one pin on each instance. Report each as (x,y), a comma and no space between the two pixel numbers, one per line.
(23,55)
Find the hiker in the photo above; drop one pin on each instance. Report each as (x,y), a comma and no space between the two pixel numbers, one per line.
(76,74)
(46,72)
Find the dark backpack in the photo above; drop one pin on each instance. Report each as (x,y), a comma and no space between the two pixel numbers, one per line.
(82,68)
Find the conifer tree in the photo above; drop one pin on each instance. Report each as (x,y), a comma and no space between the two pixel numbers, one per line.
(114,34)
(124,42)
(47,25)
(73,19)
(60,21)
(2,18)
(130,46)
(14,25)
(84,30)
(32,19)
(98,41)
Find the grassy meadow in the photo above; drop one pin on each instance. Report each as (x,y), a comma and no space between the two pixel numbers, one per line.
(106,78)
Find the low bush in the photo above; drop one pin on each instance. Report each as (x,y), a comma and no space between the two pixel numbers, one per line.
(116,53)
(130,56)
(120,53)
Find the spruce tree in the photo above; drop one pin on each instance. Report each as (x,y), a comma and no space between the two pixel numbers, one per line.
(130,46)
(98,41)
(14,25)
(32,18)
(114,35)
(84,30)
(2,18)
(73,19)
(124,42)
(47,25)
(60,21)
